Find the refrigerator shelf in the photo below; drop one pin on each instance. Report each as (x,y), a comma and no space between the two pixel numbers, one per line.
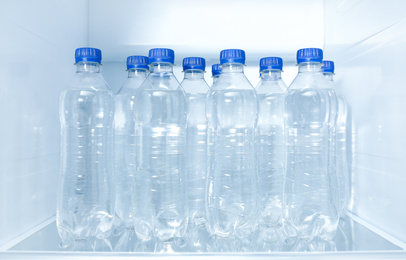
(353,240)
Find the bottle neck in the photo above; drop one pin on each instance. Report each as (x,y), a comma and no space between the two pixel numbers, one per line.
(271,74)
(215,78)
(309,67)
(194,74)
(137,73)
(232,68)
(88,67)
(328,76)
(163,67)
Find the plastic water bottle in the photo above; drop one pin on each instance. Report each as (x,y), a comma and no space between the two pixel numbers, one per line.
(309,197)
(215,72)
(125,141)
(270,150)
(126,148)
(271,157)
(342,128)
(161,207)
(232,112)
(85,207)
(196,90)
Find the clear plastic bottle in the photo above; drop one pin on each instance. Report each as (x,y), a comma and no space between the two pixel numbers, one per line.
(342,128)
(125,148)
(160,197)
(310,185)
(271,145)
(196,90)
(232,111)
(215,72)
(125,145)
(85,207)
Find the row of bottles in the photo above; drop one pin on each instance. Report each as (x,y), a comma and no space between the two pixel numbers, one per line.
(196,168)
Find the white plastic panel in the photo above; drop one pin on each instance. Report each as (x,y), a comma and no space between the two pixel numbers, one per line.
(350,22)
(368,42)
(262,28)
(38,39)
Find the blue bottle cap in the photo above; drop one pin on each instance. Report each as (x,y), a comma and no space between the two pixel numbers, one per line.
(194,63)
(270,63)
(232,56)
(328,66)
(161,55)
(88,54)
(216,69)
(137,62)
(309,55)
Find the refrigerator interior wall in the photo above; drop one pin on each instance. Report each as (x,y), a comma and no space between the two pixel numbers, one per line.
(38,39)
(365,38)
(204,28)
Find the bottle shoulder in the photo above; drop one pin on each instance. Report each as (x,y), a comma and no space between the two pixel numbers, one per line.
(339,89)
(83,95)
(195,86)
(271,87)
(232,81)
(83,104)
(309,81)
(160,81)
(89,82)
(130,86)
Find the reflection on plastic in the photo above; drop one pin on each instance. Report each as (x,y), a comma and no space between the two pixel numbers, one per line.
(127,241)
(351,236)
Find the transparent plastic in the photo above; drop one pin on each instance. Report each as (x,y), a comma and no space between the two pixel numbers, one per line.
(343,145)
(85,207)
(215,78)
(232,111)
(160,199)
(125,155)
(310,184)
(271,157)
(196,90)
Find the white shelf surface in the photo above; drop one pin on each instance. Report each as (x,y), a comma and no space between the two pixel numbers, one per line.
(354,240)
